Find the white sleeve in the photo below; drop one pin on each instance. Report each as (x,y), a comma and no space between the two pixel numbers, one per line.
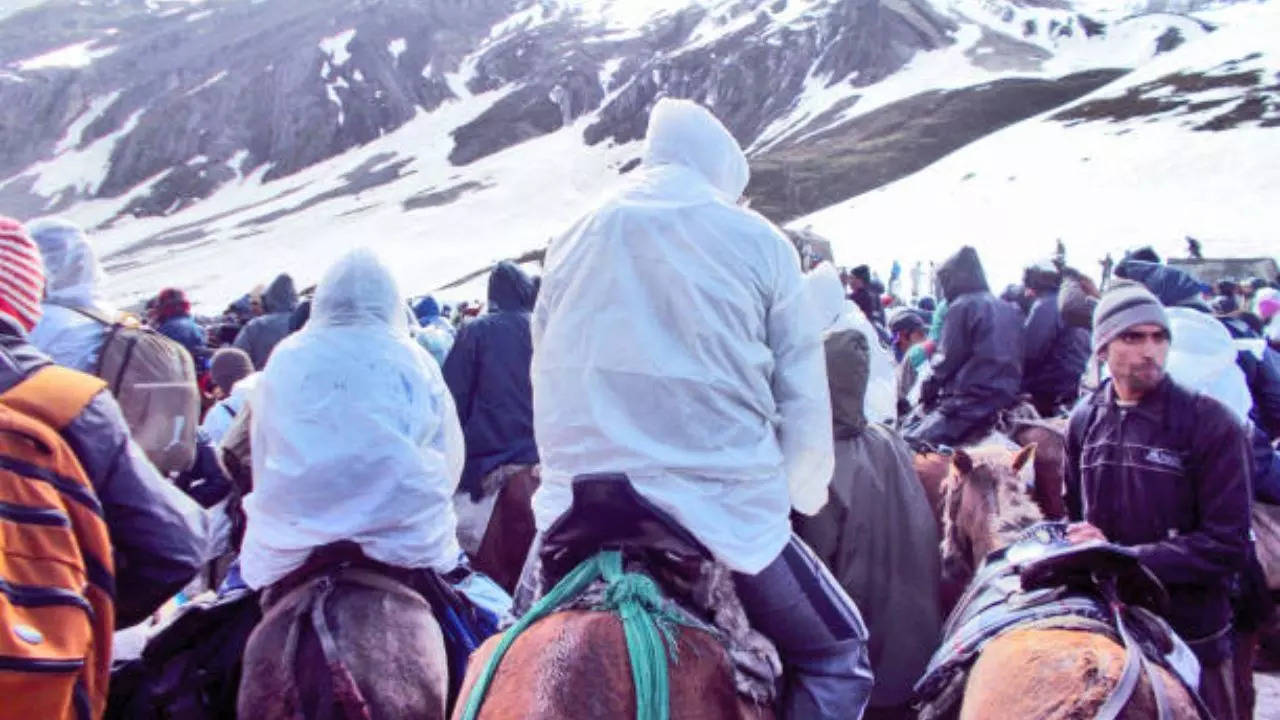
(800,389)
(449,438)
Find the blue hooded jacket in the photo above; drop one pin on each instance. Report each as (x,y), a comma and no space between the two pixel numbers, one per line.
(488,373)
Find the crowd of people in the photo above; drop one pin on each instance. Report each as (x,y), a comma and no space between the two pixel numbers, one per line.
(674,341)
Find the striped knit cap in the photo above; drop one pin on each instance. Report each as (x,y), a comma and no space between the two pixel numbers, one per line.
(1124,305)
(21,274)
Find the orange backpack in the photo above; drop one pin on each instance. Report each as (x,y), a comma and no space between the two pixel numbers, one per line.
(57,576)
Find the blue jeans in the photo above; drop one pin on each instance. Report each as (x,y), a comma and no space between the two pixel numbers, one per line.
(818,631)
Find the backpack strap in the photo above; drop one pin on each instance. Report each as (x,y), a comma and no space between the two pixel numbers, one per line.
(54,394)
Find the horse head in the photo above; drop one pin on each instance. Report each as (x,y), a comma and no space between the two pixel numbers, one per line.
(985,505)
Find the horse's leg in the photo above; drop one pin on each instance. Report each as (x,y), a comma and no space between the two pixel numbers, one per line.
(574,666)
(1057,675)
(510,532)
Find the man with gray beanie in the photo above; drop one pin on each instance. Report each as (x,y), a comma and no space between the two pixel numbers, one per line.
(1164,471)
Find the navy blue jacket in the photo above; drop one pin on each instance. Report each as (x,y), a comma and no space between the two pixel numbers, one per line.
(978,363)
(183,330)
(487,372)
(1054,355)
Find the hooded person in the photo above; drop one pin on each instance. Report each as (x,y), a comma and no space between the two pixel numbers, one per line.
(343,453)
(260,336)
(434,333)
(76,316)
(713,403)
(487,371)
(1055,353)
(877,532)
(977,366)
(158,536)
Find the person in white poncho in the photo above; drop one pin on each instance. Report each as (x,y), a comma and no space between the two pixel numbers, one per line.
(674,342)
(355,436)
(74,287)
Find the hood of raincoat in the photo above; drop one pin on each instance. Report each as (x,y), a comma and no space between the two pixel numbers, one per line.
(510,290)
(1171,285)
(961,274)
(1202,356)
(683,134)
(73,276)
(860,372)
(280,295)
(355,436)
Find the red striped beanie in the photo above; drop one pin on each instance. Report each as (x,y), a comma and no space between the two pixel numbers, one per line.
(21,274)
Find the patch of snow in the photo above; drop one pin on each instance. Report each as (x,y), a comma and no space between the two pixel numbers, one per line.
(359,76)
(206,83)
(71,136)
(335,46)
(83,170)
(77,55)
(396,48)
(1099,186)
(198,15)
(333,98)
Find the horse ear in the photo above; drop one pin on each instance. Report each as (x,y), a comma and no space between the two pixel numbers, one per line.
(1024,456)
(962,461)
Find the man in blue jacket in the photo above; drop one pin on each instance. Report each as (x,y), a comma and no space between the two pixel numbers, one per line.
(1054,355)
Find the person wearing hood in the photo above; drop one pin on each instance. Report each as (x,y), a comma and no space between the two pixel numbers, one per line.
(260,336)
(158,535)
(877,532)
(342,453)
(1055,354)
(434,333)
(75,316)
(487,371)
(977,366)
(714,407)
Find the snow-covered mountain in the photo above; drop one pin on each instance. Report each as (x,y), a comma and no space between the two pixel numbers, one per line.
(212,143)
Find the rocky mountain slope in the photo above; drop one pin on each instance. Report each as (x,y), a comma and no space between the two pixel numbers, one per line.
(213,142)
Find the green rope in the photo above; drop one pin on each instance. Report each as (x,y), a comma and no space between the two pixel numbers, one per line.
(646,622)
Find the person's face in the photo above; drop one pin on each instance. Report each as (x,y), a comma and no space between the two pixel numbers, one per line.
(255,306)
(908,340)
(1136,359)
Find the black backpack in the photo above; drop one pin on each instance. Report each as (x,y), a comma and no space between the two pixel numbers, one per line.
(191,669)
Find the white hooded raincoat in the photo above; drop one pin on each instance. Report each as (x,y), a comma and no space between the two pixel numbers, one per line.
(73,279)
(674,342)
(355,436)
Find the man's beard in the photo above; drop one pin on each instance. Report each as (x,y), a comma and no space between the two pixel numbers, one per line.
(1145,377)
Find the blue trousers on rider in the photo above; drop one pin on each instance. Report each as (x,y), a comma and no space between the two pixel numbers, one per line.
(819,633)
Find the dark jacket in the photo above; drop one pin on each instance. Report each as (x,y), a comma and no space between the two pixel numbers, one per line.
(488,374)
(158,534)
(978,362)
(1173,286)
(1054,355)
(848,368)
(183,330)
(1168,477)
(262,334)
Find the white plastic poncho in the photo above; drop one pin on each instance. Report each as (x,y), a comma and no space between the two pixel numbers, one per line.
(1202,356)
(355,436)
(73,279)
(837,313)
(674,342)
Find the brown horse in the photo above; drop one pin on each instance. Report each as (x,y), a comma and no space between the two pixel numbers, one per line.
(351,644)
(1050,438)
(1032,672)
(573,665)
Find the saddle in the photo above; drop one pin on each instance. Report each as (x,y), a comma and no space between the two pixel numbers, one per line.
(1041,580)
(608,514)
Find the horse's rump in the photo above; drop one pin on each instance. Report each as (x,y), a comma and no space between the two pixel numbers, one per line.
(573,665)
(346,642)
(1266,526)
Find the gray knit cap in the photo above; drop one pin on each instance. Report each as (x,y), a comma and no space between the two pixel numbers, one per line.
(1124,305)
